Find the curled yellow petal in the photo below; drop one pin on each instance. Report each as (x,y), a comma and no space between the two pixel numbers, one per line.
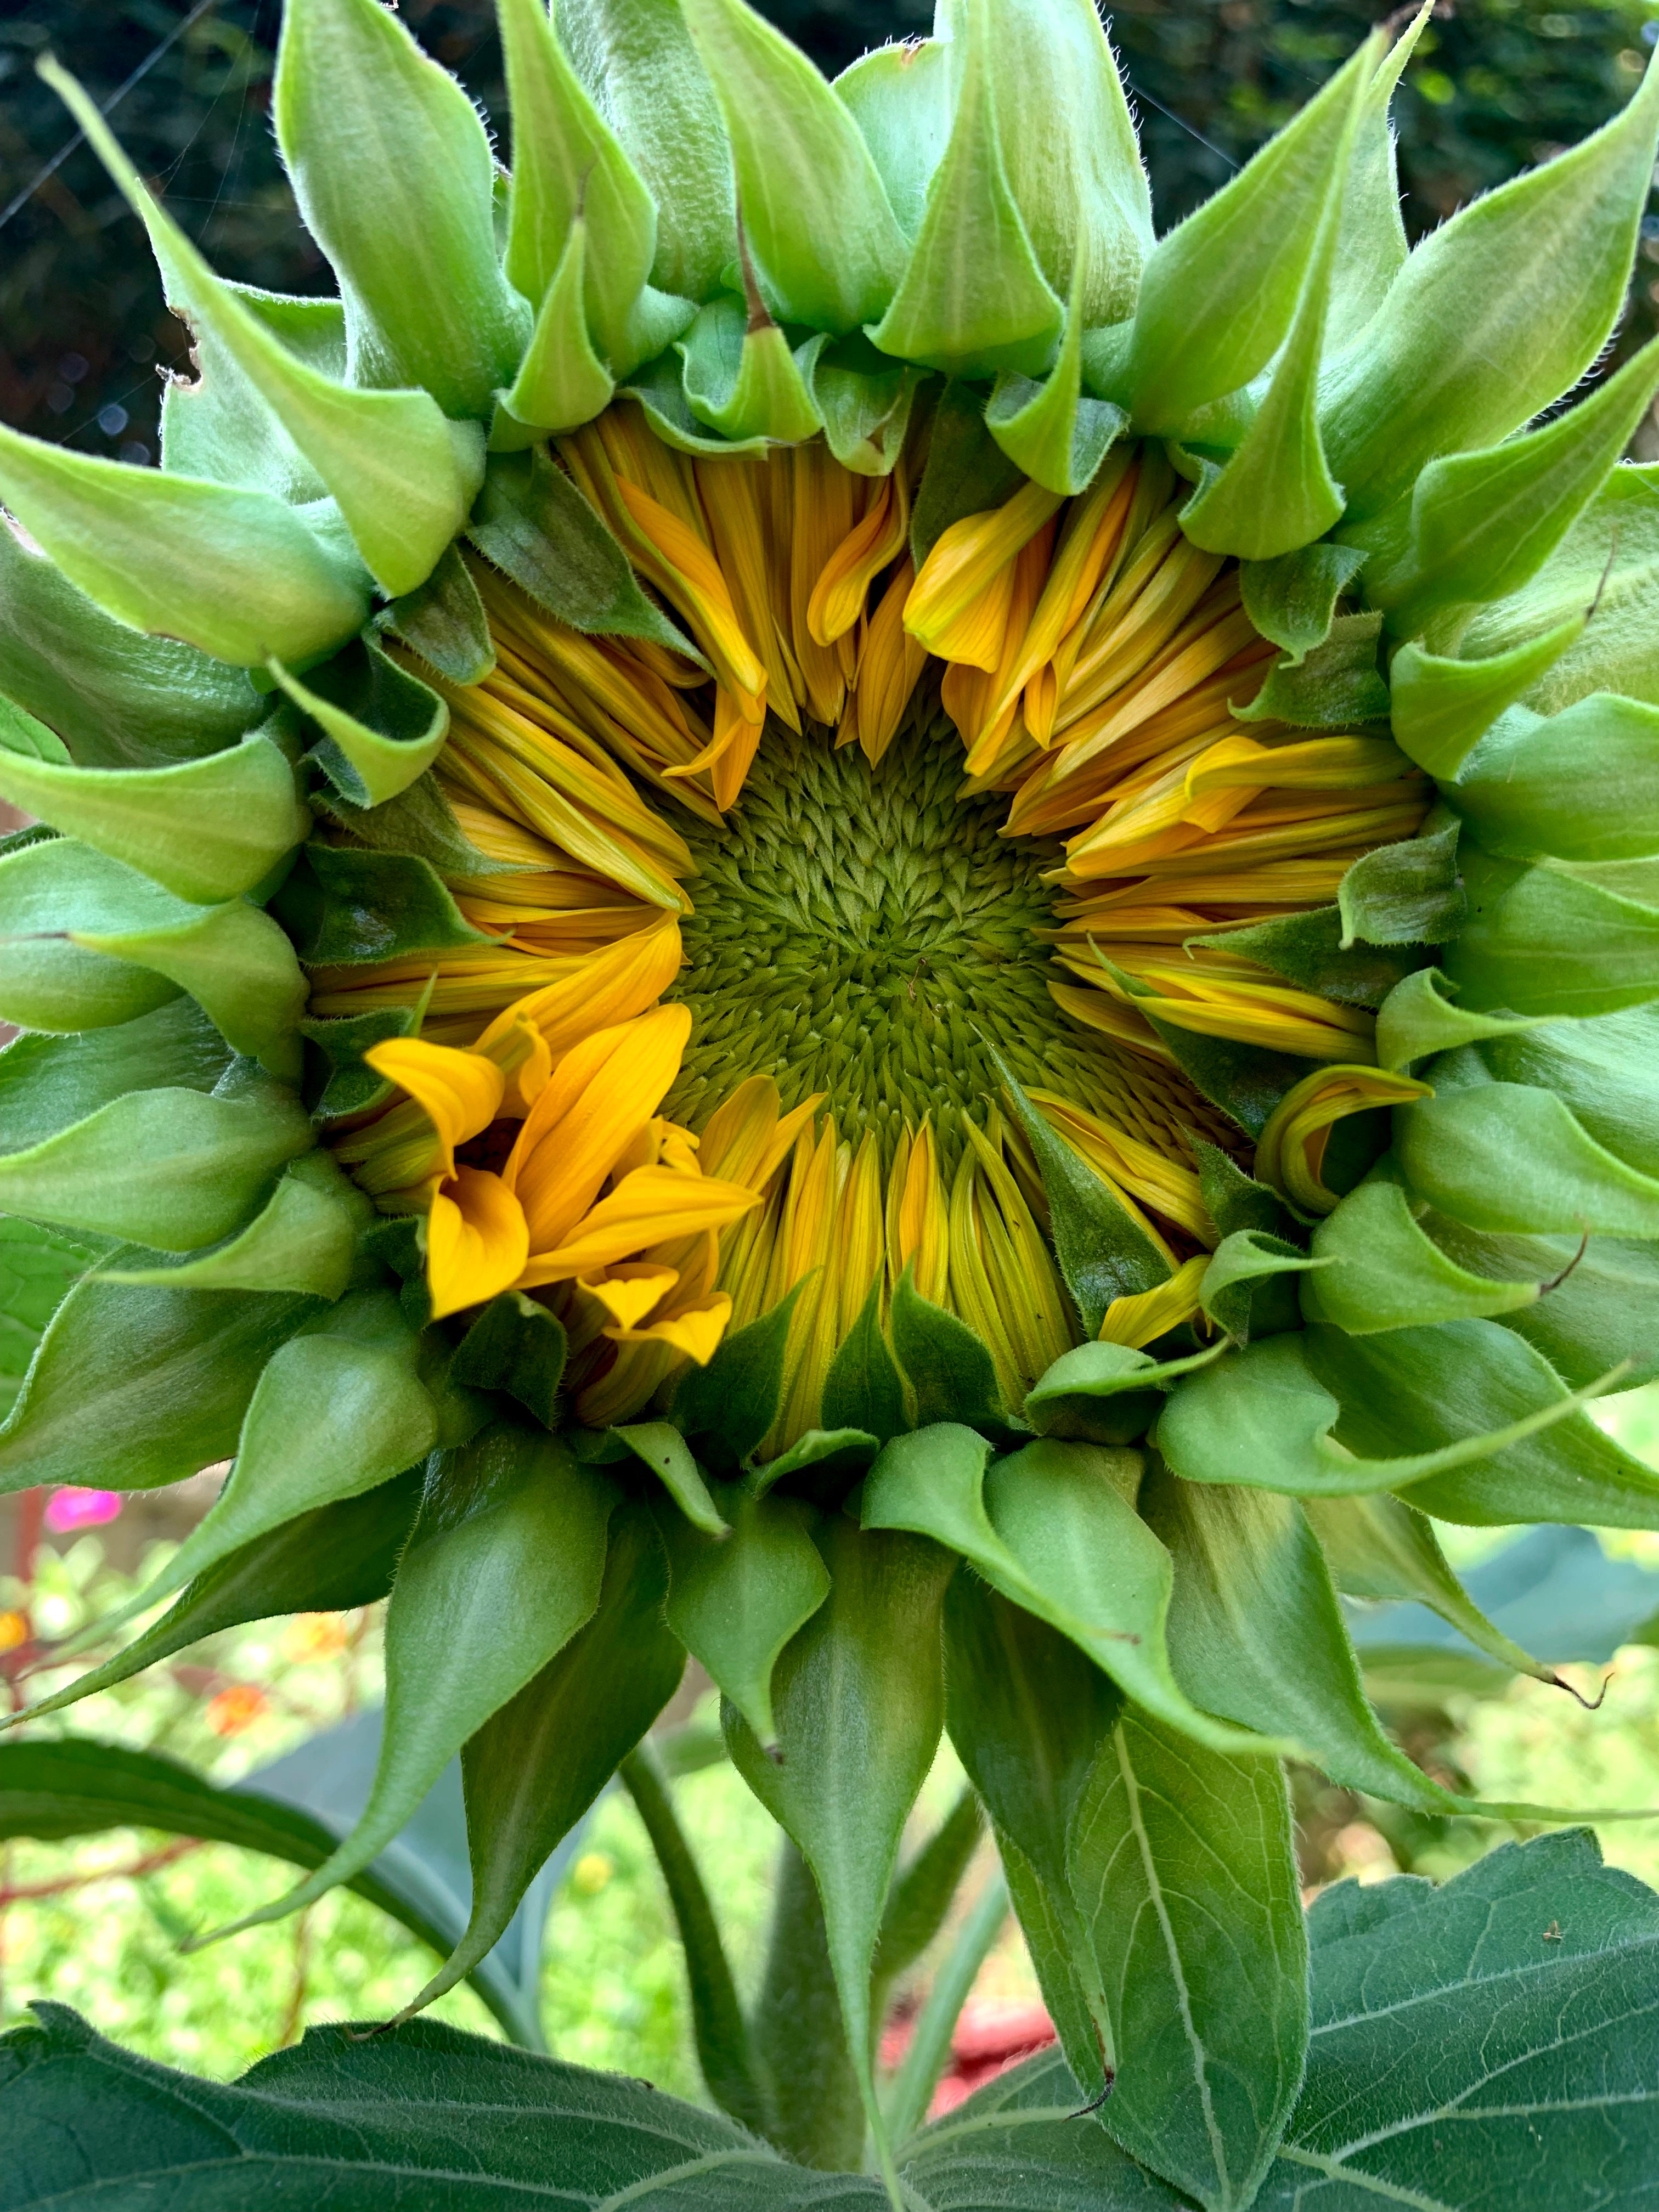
(953,607)
(629,1293)
(697,1331)
(1142,1319)
(645,1209)
(460,1091)
(1290,1153)
(609,987)
(477,1241)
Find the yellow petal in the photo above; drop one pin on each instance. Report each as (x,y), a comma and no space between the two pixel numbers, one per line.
(628,1293)
(844,585)
(476,1240)
(602,1093)
(460,1091)
(1141,1321)
(645,1209)
(696,1332)
(952,607)
(1290,1153)
(609,987)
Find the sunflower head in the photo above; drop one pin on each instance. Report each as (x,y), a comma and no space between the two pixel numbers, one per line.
(797,902)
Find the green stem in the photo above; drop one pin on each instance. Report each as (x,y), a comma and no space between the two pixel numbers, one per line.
(930,2042)
(722,2035)
(817,2109)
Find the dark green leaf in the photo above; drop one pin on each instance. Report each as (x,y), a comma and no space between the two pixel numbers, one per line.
(1103,1393)
(1334,683)
(1292,600)
(342,906)
(1406,894)
(862,1390)
(1183,1862)
(382,727)
(725,1408)
(922,1892)
(518,1346)
(443,620)
(949,1371)
(1314,950)
(352,1086)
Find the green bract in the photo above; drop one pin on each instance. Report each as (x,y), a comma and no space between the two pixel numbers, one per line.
(1088,1504)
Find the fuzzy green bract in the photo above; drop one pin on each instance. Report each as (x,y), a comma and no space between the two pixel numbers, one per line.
(206,664)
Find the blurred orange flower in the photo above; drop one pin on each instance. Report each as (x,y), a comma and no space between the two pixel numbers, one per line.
(13,1630)
(232,1710)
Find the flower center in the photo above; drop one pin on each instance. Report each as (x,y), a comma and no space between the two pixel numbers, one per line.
(862,933)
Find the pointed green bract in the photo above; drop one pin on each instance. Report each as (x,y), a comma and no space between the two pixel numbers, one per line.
(568,167)
(206,830)
(637,63)
(304,1241)
(1219,294)
(901,97)
(382,727)
(1384,1271)
(392,172)
(1371,248)
(825,241)
(504,1564)
(1440,707)
(1583,784)
(973,299)
(1465,355)
(237,573)
(1057,435)
(741,378)
(562,382)
(735,1600)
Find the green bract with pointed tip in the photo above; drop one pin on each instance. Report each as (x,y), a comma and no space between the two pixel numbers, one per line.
(924,933)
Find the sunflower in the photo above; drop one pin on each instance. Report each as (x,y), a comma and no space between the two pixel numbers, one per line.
(801,905)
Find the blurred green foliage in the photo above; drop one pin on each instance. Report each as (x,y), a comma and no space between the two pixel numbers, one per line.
(1497,85)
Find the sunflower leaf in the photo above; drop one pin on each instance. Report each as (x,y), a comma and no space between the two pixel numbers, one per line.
(735,1600)
(518,1346)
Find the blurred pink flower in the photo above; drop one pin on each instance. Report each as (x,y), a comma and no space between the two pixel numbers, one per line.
(69,1509)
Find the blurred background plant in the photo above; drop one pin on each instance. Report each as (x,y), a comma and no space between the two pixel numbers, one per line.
(1498,85)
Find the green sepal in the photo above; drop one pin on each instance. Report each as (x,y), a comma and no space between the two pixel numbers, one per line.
(735,1600)
(1465,353)
(659,387)
(1381,1549)
(381,726)
(1541,940)
(206,830)
(1582,785)
(237,964)
(1262,1417)
(1292,598)
(118,698)
(536,1765)
(517,1346)
(1219,292)
(951,1375)
(1330,685)
(858,1695)
(1406,894)
(1417,1019)
(1603,1311)
(966,472)
(827,250)
(1274,493)
(973,299)
(341,907)
(901,97)
(1256,1631)
(1384,1272)
(339,1410)
(1425,1388)
(1440,707)
(47,1084)
(420,821)
(1308,949)
(221,427)
(725,1408)
(304,1240)
(398,1242)
(1184,1870)
(1053,1527)
(562,381)
(1483,524)
(534,524)
(327,1561)
(1029,1716)
(402,476)
(1602,1070)
(1371,248)
(239,575)
(1245,1081)
(742,379)
(1102,1253)
(864,400)
(443,621)
(659,1446)
(172,1169)
(1056,434)
(136,1386)
(350,1087)
(833,1457)
(571,176)
(863,1389)
(636,59)
(503,1566)
(405,211)
(1510,1159)
(1104,1394)
(1242,1262)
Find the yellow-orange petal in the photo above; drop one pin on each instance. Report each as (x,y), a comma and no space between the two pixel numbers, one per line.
(628,1291)
(647,1208)
(696,1332)
(1141,1321)
(460,1091)
(477,1241)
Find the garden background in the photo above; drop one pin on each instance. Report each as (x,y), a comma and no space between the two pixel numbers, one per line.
(1498,85)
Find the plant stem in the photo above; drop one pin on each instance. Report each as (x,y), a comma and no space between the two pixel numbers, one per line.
(818,2111)
(930,2041)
